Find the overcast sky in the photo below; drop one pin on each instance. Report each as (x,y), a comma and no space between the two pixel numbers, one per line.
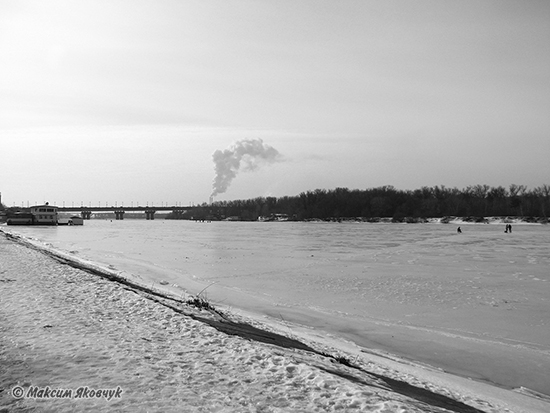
(127,101)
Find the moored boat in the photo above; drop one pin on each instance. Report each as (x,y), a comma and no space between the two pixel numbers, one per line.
(76,220)
(36,215)
(19,218)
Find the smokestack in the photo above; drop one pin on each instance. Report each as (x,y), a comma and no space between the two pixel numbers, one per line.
(252,152)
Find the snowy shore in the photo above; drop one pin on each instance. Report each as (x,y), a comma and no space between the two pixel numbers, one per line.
(70,328)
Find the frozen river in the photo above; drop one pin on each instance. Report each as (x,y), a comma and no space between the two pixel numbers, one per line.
(475,304)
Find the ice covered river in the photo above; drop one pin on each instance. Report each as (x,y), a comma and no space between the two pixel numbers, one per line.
(475,304)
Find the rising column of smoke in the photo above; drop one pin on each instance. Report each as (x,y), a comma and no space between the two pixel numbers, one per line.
(251,153)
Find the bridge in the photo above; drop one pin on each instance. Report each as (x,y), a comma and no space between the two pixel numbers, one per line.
(87,211)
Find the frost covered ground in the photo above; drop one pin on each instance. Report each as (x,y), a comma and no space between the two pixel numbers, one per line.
(65,328)
(476,304)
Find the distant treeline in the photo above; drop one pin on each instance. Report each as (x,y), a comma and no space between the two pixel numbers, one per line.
(389,202)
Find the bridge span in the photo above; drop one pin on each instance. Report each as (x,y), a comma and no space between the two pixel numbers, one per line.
(87,211)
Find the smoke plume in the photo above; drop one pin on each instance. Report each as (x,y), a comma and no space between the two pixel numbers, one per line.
(251,153)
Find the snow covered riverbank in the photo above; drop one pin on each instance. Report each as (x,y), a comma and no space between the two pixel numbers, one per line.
(67,328)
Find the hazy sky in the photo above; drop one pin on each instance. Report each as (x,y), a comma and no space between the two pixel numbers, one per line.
(126,101)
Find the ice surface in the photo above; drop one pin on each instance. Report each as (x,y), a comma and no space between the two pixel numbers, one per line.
(476,303)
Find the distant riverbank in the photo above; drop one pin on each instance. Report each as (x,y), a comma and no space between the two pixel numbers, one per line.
(443,220)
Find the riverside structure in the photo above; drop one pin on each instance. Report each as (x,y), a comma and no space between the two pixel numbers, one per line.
(87,211)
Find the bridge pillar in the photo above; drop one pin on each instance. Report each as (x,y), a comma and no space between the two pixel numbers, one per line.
(86,214)
(119,215)
(150,214)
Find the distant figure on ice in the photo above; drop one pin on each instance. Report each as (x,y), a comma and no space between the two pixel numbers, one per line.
(508,228)
(459,230)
